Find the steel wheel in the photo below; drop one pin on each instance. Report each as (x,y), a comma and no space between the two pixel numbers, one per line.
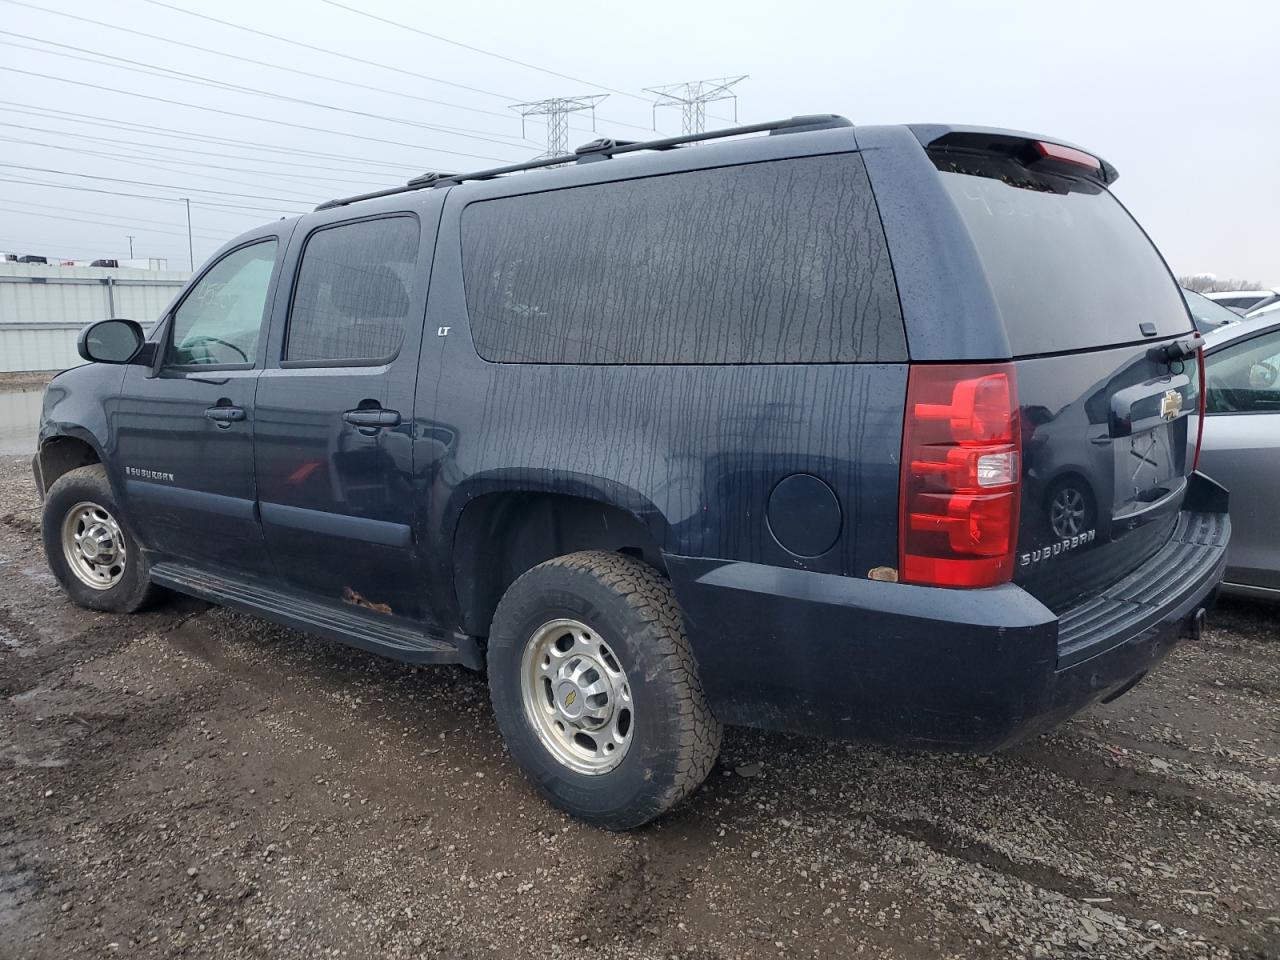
(93,545)
(1067,512)
(576,696)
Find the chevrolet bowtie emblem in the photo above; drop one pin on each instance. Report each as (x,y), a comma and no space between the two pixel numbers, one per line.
(1171,404)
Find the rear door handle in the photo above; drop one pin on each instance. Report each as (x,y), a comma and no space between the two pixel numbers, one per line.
(374,418)
(223,415)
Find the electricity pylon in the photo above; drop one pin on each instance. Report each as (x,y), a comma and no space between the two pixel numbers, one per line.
(557,110)
(692,97)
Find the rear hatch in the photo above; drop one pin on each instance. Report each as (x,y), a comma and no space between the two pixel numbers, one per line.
(1109,418)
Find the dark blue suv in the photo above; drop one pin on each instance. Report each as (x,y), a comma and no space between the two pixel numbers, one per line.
(886,433)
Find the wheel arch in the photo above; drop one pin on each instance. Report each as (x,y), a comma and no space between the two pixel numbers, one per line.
(502,531)
(63,452)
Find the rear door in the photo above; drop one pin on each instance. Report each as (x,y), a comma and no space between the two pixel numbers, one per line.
(333,446)
(1109,425)
(1242,448)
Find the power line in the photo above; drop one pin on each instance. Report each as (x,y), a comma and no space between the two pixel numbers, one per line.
(151,70)
(295,70)
(140,196)
(102,223)
(249,116)
(26,243)
(151,166)
(263,63)
(131,126)
(42,209)
(487,53)
(309,46)
(134,157)
(179,149)
(146,183)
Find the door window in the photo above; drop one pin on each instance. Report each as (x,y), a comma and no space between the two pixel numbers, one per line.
(1245,377)
(352,300)
(221,318)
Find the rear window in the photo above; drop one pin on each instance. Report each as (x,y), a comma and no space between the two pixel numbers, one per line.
(1069,270)
(775,262)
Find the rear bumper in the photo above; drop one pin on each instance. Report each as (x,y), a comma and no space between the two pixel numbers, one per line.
(956,669)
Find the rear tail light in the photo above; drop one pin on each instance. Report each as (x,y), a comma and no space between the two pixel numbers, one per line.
(958,524)
(1200,401)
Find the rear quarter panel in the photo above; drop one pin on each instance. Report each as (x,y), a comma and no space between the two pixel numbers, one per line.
(693,451)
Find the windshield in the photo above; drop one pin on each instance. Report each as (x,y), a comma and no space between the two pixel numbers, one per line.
(1070,269)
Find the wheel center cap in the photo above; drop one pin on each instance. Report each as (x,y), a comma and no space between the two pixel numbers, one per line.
(570,700)
(98,544)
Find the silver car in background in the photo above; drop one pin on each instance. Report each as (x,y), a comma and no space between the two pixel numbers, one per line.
(1241,449)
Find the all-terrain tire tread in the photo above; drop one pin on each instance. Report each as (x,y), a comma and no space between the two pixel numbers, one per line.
(144,592)
(649,594)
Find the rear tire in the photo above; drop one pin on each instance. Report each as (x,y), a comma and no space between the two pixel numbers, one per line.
(596,691)
(89,547)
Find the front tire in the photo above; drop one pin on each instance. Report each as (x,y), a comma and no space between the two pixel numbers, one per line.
(89,549)
(596,691)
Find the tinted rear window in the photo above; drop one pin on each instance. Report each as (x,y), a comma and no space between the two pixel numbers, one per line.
(1070,270)
(777,262)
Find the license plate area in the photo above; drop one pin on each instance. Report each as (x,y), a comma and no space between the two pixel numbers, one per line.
(1147,470)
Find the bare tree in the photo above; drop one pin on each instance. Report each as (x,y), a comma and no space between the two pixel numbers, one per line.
(1208,283)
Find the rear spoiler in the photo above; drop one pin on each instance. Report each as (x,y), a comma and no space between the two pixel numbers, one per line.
(1028,149)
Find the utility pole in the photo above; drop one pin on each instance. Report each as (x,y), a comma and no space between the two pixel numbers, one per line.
(557,110)
(692,97)
(191,257)
(130,236)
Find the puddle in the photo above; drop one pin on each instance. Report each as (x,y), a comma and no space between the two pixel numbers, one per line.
(18,884)
(19,420)
(8,640)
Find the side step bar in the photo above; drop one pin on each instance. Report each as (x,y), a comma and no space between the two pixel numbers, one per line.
(383,635)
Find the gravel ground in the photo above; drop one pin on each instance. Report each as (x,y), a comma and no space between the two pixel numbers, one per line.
(193,782)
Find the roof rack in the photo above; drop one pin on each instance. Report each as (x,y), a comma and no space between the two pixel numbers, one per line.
(602,149)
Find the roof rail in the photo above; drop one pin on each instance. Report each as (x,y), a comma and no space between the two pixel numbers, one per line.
(430,178)
(601,149)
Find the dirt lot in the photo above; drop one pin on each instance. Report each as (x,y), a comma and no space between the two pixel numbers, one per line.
(192,782)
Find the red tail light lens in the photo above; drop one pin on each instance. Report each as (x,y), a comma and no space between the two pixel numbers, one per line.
(961,470)
(1056,151)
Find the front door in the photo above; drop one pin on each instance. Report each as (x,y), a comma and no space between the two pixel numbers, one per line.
(1241,448)
(184,431)
(334,413)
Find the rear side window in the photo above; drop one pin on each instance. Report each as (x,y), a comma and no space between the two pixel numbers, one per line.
(1070,269)
(778,262)
(352,297)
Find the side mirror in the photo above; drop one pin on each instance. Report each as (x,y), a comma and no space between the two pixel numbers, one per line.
(111,341)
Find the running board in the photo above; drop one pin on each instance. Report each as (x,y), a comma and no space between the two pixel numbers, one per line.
(387,637)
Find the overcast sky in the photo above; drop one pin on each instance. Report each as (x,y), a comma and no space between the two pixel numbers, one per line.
(1181,97)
